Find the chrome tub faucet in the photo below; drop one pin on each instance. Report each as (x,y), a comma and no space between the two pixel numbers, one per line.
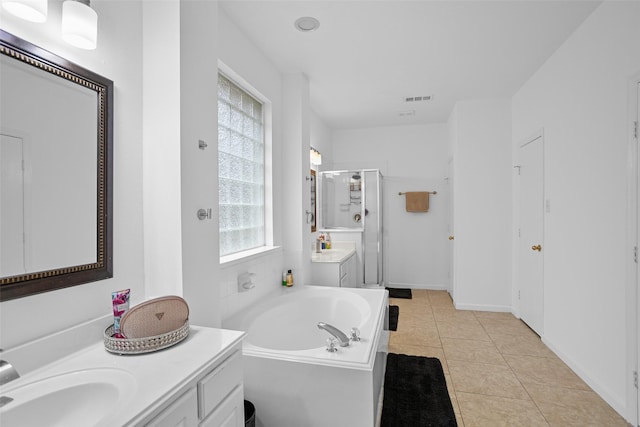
(337,333)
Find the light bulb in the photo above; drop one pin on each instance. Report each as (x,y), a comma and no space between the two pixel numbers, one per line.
(30,10)
(79,24)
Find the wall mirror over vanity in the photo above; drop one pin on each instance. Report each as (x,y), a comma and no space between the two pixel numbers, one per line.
(314,209)
(56,155)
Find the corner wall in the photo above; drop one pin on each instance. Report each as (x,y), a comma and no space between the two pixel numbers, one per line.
(411,158)
(579,98)
(481,153)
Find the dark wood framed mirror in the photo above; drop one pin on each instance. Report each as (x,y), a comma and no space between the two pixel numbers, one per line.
(56,162)
(314,209)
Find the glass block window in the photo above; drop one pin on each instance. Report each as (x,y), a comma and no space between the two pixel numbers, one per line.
(240,169)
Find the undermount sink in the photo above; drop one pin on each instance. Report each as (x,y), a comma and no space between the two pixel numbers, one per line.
(331,255)
(85,397)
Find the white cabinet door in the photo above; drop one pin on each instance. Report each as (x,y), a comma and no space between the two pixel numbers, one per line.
(230,413)
(181,413)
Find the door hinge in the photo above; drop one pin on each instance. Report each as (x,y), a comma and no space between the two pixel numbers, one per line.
(635,379)
(635,129)
(635,254)
(518,294)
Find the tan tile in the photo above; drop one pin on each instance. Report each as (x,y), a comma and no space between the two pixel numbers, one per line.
(481,378)
(569,407)
(527,344)
(423,320)
(470,330)
(449,313)
(544,371)
(440,298)
(420,294)
(505,326)
(415,336)
(492,411)
(472,351)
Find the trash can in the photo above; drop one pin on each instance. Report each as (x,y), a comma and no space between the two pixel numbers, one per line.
(249,414)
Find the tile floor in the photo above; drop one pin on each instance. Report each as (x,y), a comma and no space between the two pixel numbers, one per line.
(498,371)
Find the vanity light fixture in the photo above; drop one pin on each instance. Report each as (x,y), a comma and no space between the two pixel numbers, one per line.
(306,24)
(315,157)
(79,24)
(29,10)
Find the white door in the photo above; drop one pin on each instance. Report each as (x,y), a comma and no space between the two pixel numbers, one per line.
(11,207)
(637,169)
(450,228)
(531,232)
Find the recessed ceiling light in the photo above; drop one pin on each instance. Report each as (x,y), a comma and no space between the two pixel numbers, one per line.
(306,24)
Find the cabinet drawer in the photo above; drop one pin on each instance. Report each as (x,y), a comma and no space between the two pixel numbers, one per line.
(182,412)
(213,388)
(230,413)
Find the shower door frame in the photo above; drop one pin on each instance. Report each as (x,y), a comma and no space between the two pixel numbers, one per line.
(362,226)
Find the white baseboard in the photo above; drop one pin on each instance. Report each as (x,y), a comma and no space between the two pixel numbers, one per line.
(616,404)
(483,307)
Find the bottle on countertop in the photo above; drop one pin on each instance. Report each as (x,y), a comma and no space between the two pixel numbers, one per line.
(328,241)
(289,278)
(284,277)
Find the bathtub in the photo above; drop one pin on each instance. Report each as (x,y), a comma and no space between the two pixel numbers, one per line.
(288,374)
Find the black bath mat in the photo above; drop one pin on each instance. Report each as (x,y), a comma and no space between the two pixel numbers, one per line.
(394,311)
(399,293)
(415,393)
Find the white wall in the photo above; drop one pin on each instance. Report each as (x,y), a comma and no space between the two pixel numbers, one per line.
(117,57)
(161,147)
(411,158)
(482,197)
(579,97)
(245,59)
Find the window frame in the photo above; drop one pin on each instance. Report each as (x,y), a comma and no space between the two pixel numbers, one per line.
(267,126)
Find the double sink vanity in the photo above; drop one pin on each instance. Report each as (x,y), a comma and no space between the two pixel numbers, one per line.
(197,382)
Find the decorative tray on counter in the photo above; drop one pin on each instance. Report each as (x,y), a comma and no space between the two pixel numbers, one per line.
(151,326)
(143,345)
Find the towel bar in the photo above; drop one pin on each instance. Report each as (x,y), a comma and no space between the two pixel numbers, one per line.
(430,192)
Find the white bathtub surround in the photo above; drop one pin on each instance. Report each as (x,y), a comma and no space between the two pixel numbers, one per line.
(290,376)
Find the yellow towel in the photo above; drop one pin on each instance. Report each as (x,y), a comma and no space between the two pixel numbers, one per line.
(417,201)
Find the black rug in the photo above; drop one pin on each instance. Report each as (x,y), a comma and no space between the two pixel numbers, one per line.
(399,293)
(394,311)
(415,393)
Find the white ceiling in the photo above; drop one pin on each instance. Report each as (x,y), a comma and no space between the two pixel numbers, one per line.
(367,56)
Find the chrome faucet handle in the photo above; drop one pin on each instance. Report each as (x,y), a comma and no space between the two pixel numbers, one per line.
(7,372)
(355,334)
(331,345)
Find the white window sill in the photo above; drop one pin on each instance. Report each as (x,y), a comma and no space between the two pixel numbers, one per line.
(244,256)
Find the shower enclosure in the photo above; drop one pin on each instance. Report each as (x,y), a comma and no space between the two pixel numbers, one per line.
(351,209)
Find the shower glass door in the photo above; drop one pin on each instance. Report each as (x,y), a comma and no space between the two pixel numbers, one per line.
(342,197)
(372,235)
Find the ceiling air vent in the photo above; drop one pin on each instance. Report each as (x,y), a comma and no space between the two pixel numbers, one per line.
(418,98)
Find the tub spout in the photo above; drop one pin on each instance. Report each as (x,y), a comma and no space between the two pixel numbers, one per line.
(340,336)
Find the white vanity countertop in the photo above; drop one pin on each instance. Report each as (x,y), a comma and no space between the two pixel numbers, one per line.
(337,253)
(156,375)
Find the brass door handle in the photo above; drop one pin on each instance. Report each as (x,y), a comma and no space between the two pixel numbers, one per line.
(536,248)
(450,237)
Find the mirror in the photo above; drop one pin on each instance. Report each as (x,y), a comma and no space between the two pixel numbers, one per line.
(314,211)
(56,139)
